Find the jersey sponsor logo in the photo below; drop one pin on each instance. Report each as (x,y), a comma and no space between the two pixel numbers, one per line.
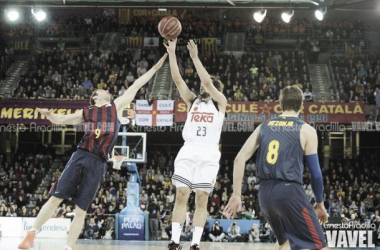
(202,117)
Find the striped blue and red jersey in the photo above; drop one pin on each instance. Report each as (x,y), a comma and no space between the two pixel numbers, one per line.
(101,126)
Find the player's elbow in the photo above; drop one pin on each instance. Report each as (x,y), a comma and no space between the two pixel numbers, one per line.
(238,160)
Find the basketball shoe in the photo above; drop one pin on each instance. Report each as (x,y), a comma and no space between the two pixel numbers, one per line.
(174,246)
(194,247)
(28,240)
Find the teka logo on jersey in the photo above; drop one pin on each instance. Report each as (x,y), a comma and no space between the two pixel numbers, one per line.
(349,235)
(202,117)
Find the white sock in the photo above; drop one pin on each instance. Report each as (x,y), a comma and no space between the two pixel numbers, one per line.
(197,235)
(176,232)
(68,248)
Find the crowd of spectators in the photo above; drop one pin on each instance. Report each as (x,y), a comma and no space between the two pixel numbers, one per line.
(253,77)
(63,74)
(79,25)
(19,181)
(61,25)
(357,78)
(339,30)
(192,27)
(329,32)
(272,28)
(58,25)
(352,193)
(66,75)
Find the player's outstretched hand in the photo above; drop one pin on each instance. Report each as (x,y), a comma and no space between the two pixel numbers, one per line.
(44,112)
(321,212)
(233,206)
(160,62)
(170,47)
(193,49)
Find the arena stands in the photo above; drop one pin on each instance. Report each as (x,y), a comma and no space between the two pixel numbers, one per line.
(253,77)
(272,28)
(61,26)
(357,77)
(73,75)
(66,63)
(351,193)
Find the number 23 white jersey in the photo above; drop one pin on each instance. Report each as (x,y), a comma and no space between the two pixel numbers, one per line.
(204,123)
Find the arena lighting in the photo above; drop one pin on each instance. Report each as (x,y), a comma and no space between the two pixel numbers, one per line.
(259,15)
(12,15)
(286,16)
(320,14)
(40,15)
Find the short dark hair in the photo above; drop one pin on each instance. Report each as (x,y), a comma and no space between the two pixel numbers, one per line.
(291,98)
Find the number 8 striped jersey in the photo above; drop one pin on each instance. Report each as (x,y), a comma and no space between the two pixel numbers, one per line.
(280,153)
(203,123)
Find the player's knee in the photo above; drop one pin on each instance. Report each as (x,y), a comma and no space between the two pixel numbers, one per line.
(80,212)
(56,201)
(201,199)
(182,195)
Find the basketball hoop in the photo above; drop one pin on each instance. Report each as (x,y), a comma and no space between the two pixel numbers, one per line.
(118,161)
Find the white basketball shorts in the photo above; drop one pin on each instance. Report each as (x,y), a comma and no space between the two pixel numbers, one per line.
(197,166)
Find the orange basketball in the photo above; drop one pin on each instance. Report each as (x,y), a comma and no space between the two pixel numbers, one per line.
(169,27)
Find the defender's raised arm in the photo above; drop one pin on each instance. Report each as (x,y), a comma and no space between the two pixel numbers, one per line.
(122,101)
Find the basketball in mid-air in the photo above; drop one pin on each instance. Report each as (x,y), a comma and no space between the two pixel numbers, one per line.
(169,27)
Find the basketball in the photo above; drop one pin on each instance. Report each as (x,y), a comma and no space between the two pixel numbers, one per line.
(169,27)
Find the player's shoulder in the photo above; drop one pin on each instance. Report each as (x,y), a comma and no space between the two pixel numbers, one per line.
(306,129)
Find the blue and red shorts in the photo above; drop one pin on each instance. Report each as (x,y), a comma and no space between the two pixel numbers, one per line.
(286,208)
(81,178)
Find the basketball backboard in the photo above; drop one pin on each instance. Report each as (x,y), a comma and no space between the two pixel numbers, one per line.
(131,145)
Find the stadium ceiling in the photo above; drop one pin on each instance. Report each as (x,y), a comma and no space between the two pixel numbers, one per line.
(332,4)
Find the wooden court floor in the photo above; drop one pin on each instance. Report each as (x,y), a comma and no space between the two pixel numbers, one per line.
(58,244)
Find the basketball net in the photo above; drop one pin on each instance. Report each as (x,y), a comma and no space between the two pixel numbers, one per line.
(118,161)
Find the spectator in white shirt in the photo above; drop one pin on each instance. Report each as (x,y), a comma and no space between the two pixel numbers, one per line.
(141,70)
(130,78)
(251,166)
(233,232)
(251,178)
(307,95)
(88,20)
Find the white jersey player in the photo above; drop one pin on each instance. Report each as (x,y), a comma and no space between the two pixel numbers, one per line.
(204,122)
(197,163)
